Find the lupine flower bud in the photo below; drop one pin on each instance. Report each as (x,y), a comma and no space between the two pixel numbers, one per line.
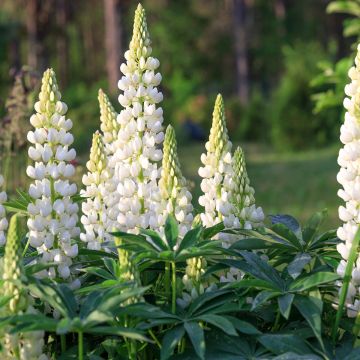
(137,155)
(128,270)
(13,268)
(217,171)
(27,345)
(245,214)
(53,215)
(94,216)
(349,161)
(176,198)
(3,220)
(109,126)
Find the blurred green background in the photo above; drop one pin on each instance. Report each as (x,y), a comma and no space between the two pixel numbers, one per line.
(280,64)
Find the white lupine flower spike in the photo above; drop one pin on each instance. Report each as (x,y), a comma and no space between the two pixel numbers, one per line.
(246,215)
(3,220)
(176,198)
(217,170)
(137,156)
(349,178)
(94,218)
(52,214)
(110,128)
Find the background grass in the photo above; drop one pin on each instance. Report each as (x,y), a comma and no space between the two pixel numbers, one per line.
(298,184)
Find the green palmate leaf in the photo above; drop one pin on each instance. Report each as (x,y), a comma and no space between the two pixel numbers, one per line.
(156,239)
(286,234)
(289,221)
(170,340)
(254,283)
(100,286)
(96,254)
(205,298)
(191,238)
(261,269)
(250,244)
(98,272)
(313,280)
(196,336)
(285,303)
(119,331)
(243,326)
(220,322)
(262,297)
(294,356)
(35,268)
(313,225)
(64,326)
(311,309)
(347,7)
(211,231)
(283,343)
(32,322)
(297,265)
(91,303)
(171,231)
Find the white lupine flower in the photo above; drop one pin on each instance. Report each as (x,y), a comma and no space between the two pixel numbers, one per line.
(137,155)
(176,198)
(110,128)
(94,216)
(217,170)
(53,215)
(349,179)
(3,220)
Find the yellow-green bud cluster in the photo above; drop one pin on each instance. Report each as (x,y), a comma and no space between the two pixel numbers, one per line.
(13,269)
(97,161)
(140,42)
(172,184)
(109,126)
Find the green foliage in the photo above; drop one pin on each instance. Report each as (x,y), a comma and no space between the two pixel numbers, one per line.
(293,125)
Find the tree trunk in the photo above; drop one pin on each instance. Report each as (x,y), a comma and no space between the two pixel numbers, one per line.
(62,41)
(113,42)
(241,49)
(31,27)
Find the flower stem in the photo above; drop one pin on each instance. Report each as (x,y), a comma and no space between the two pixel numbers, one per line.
(346,281)
(81,345)
(63,343)
(167,279)
(173,302)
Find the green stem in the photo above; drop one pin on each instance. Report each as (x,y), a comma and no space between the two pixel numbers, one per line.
(167,279)
(81,345)
(346,281)
(277,319)
(173,301)
(63,343)
(157,342)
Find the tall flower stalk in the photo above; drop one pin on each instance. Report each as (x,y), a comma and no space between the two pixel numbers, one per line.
(94,209)
(52,213)
(348,177)
(110,128)
(176,198)
(28,345)
(137,155)
(3,220)
(217,170)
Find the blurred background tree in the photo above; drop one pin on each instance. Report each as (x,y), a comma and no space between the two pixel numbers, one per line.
(263,55)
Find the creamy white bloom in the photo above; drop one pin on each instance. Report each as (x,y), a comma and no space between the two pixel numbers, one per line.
(137,155)
(349,178)
(176,198)
(217,172)
(94,218)
(3,220)
(52,214)
(110,128)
